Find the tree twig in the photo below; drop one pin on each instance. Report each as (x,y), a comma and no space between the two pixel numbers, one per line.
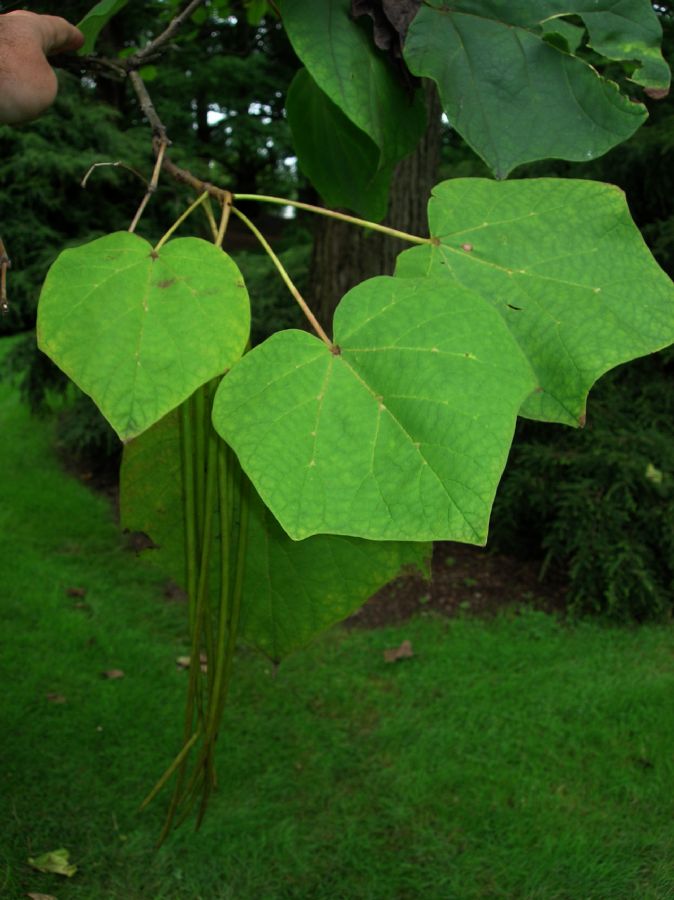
(186,177)
(147,107)
(122,67)
(150,50)
(114,69)
(224,220)
(151,188)
(114,165)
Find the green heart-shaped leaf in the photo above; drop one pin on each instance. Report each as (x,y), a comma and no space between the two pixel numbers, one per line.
(403,435)
(293,590)
(564,265)
(139,331)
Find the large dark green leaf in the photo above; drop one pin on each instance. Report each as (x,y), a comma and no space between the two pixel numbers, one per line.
(140,331)
(402,435)
(627,30)
(514,95)
(564,265)
(339,159)
(359,79)
(292,590)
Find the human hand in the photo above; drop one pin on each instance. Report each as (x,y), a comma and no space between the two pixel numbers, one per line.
(28,83)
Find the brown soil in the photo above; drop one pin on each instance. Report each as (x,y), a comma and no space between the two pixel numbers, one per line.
(464,579)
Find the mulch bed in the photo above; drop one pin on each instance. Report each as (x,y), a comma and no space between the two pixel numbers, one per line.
(464,579)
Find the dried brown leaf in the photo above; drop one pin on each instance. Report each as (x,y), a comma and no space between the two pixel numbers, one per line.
(656,93)
(404,651)
(139,541)
(113,674)
(56,698)
(183,662)
(174,592)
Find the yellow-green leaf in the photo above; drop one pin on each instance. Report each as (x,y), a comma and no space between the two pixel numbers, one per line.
(139,331)
(401,435)
(56,862)
(567,269)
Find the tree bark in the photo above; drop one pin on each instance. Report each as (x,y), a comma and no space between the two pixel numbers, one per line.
(345,255)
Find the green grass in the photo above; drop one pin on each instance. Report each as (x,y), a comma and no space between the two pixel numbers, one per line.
(516,758)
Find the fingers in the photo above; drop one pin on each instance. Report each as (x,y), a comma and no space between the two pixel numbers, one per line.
(52,33)
(59,36)
(27,82)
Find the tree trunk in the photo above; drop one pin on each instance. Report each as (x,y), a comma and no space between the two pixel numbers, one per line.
(345,255)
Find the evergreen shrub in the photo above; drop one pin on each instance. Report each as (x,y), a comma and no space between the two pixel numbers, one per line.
(600,503)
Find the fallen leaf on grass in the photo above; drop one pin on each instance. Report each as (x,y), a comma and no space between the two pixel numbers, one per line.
(41,896)
(56,862)
(113,674)
(174,592)
(137,541)
(76,592)
(183,662)
(56,698)
(404,651)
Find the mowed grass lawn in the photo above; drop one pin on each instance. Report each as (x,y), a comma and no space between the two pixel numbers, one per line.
(515,758)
